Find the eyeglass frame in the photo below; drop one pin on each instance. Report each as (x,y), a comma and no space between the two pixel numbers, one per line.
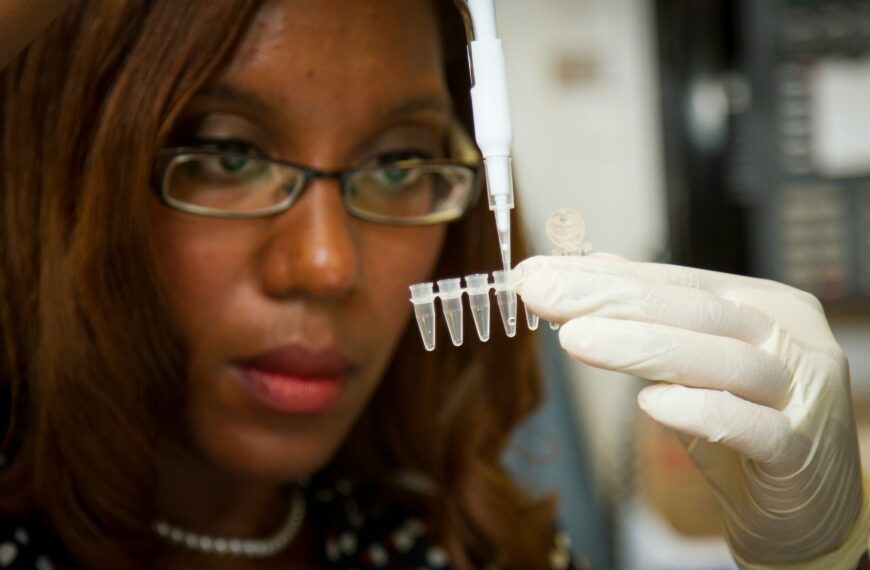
(466,155)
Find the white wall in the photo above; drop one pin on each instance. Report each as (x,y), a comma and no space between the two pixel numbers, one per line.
(590,143)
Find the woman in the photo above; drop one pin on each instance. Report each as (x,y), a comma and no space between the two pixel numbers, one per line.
(188,367)
(211,214)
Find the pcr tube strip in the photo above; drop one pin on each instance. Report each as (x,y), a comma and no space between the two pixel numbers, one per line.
(477,288)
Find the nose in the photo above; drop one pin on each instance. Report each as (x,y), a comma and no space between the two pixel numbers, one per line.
(311,248)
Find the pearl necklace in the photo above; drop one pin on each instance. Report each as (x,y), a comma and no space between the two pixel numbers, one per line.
(247,548)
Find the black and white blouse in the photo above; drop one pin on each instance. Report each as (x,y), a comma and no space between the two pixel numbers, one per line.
(360,533)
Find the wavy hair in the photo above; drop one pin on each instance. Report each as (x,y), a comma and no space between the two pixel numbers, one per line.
(91,366)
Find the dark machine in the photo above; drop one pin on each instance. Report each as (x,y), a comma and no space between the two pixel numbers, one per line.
(766,107)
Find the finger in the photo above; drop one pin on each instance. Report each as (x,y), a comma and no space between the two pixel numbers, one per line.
(659,352)
(711,281)
(757,432)
(560,295)
(605,255)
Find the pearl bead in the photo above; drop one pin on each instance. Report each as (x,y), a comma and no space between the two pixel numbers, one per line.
(252,548)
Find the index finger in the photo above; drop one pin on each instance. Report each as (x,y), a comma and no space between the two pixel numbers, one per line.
(677,275)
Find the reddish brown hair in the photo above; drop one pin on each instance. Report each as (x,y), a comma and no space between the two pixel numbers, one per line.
(91,364)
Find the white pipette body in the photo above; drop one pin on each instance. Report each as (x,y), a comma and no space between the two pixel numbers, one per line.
(492,121)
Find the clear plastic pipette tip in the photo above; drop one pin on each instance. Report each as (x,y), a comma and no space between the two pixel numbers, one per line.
(504,245)
(500,185)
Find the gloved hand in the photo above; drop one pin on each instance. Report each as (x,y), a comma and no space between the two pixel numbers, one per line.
(750,375)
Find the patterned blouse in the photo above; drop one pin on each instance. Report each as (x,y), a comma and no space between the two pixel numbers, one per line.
(360,533)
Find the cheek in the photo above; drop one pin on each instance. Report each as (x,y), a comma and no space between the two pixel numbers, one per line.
(198,265)
(205,269)
(394,259)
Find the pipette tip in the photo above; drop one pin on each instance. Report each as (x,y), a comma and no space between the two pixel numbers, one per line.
(504,242)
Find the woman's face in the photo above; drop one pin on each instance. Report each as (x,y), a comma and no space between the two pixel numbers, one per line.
(291,320)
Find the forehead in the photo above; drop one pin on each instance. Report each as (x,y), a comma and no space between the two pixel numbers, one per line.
(383,40)
(337,67)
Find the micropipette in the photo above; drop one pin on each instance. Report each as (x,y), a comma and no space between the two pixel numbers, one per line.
(492,121)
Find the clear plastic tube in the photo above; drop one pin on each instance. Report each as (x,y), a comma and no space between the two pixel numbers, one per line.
(566,230)
(532,320)
(507,302)
(477,288)
(423,299)
(450,291)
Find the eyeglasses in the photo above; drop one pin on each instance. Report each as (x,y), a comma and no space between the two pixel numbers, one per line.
(225,184)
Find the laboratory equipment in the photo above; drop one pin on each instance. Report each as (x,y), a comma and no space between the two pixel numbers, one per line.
(477,288)
(766,160)
(423,299)
(492,121)
(566,231)
(450,291)
(532,319)
(506,297)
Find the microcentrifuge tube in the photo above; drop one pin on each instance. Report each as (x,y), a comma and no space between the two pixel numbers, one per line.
(477,287)
(566,230)
(450,291)
(424,309)
(531,319)
(507,302)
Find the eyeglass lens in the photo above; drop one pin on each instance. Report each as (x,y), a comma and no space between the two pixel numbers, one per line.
(239,184)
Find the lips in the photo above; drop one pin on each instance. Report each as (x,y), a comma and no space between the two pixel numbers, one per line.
(296,380)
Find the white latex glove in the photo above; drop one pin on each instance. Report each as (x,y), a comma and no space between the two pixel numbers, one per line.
(751,377)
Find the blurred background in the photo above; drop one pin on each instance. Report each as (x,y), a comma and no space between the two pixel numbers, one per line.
(727,134)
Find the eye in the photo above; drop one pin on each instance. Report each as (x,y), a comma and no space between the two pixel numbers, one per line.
(234,163)
(226,169)
(236,166)
(397,178)
(235,146)
(403,155)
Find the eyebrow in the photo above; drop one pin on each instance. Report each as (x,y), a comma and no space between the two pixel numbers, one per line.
(228,94)
(429,102)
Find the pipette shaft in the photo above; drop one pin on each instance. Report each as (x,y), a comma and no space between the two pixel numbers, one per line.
(492,122)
